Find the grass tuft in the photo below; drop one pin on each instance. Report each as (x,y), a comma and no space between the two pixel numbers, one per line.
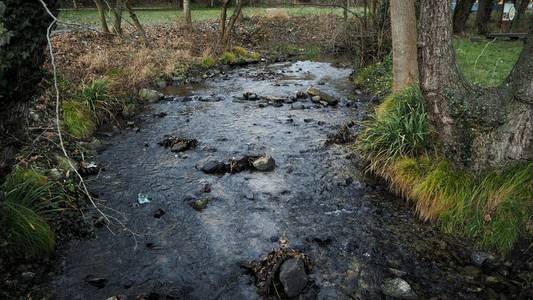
(208,62)
(26,199)
(492,208)
(77,119)
(228,58)
(398,128)
(98,98)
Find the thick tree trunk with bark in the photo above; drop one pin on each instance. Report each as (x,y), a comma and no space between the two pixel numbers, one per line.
(476,128)
(404,47)
(187,13)
(483,16)
(461,14)
(101,14)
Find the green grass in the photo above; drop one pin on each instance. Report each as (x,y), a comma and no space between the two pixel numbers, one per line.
(228,58)
(397,128)
(492,208)
(376,79)
(97,96)
(27,199)
(78,119)
(165,16)
(482,63)
(486,63)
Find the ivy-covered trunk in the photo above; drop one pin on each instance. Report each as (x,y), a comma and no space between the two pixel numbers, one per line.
(476,128)
(23,27)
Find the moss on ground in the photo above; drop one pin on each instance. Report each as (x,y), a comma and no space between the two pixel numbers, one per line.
(77,119)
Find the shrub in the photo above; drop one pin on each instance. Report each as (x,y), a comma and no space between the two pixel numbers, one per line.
(77,119)
(377,78)
(312,53)
(228,58)
(97,97)
(208,62)
(26,199)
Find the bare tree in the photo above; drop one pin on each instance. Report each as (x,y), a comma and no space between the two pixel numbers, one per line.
(483,15)
(187,13)
(521,8)
(135,20)
(461,14)
(102,16)
(404,50)
(226,29)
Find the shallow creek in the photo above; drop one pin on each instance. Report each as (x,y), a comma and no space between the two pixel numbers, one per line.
(355,233)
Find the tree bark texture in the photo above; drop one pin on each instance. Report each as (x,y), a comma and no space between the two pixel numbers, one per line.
(476,128)
(404,45)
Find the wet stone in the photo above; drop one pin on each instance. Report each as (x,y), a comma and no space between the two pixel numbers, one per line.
(398,288)
(97,282)
(213,167)
(479,258)
(199,204)
(264,164)
(178,144)
(293,277)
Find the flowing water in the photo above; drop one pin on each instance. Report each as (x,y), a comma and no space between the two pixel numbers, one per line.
(355,233)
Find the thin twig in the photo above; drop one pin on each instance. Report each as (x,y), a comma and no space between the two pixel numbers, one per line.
(59,133)
(58,125)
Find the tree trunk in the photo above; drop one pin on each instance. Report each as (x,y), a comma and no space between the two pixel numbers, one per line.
(187,13)
(476,128)
(521,8)
(117,17)
(231,23)
(136,21)
(101,14)
(483,16)
(500,16)
(223,17)
(404,49)
(461,14)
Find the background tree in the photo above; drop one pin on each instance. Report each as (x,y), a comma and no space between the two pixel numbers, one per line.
(461,14)
(484,15)
(22,44)
(521,8)
(102,15)
(187,13)
(477,128)
(226,29)
(404,50)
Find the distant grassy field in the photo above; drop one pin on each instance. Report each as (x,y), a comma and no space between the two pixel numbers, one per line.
(162,16)
(486,63)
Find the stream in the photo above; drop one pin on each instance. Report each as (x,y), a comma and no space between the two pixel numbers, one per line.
(355,234)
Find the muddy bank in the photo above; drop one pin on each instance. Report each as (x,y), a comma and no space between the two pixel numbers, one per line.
(361,242)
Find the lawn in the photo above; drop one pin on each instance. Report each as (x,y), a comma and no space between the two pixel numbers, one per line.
(486,63)
(162,16)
